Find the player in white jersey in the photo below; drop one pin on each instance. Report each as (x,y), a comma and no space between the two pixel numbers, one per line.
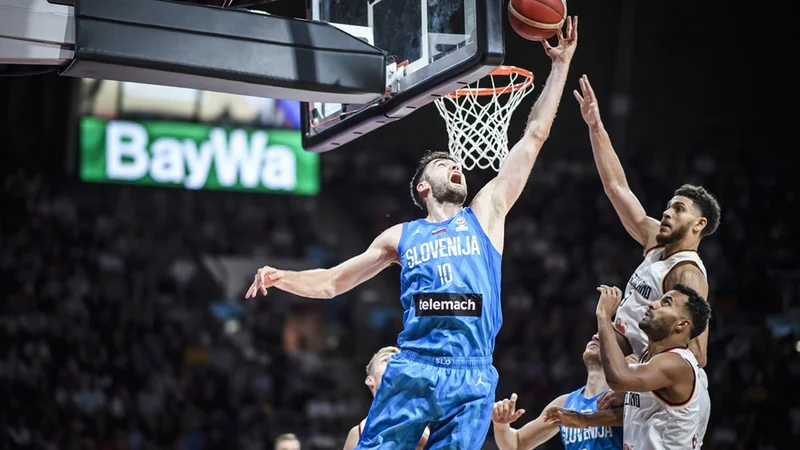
(665,397)
(670,244)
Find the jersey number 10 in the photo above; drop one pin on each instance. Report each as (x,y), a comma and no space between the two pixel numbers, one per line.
(445,273)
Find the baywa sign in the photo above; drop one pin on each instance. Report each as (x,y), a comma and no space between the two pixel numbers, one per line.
(197,156)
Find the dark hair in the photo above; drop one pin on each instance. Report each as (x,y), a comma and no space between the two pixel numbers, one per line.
(420,172)
(698,309)
(706,203)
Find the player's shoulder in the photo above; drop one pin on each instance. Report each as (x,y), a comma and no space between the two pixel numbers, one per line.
(390,236)
(561,400)
(689,272)
(683,352)
(396,228)
(355,431)
(352,437)
(675,361)
(653,251)
(683,255)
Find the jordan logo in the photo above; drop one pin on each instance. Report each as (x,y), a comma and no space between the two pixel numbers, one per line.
(481,382)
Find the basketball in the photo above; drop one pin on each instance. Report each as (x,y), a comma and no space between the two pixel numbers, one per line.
(537,20)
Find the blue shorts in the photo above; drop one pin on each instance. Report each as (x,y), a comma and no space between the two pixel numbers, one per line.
(452,396)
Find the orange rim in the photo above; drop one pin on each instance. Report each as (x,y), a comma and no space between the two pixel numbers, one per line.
(500,71)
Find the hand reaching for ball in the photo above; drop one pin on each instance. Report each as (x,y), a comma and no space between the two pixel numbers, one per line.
(566,44)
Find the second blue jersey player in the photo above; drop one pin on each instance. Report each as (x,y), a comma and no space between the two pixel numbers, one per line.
(443,376)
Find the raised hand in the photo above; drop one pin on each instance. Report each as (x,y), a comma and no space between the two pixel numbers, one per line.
(265,278)
(505,411)
(566,45)
(590,111)
(610,298)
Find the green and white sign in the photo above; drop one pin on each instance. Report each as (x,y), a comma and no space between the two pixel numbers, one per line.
(196,156)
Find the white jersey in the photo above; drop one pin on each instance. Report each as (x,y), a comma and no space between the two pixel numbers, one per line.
(651,423)
(646,285)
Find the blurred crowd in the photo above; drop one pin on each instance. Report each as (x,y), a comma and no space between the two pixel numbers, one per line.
(563,238)
(115,333)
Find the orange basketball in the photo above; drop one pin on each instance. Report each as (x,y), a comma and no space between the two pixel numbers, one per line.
(537,20)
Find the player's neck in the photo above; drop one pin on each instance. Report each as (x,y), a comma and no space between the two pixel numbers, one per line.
(439,212)
(680,246)
(595,383)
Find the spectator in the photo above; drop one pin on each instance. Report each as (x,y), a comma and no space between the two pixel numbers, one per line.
(287,441)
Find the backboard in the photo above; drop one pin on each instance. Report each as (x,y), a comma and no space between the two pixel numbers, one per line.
(432,47)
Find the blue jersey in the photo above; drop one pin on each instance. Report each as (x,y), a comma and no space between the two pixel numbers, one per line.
(592,438)
(450,287)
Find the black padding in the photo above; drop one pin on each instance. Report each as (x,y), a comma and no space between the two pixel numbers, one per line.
(178,44)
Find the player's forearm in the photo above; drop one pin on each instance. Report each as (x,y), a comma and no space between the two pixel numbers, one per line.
(615,366)
(605,158)
(605,418)
(506,437)
(543,112)
(316,283)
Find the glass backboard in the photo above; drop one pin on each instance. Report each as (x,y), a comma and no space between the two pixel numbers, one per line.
(432,47)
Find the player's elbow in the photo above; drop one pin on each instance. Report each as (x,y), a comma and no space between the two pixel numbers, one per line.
(333,284)
(616,189)
(538,132)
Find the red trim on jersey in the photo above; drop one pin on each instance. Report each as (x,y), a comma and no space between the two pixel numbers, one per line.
(647,251)
(665,256)
(646,351)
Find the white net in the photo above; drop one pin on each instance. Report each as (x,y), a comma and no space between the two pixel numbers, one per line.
(477,117)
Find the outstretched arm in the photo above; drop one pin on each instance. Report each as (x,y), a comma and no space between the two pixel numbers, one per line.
(688,274)
(328,283)
(630,211)
(531,435)
(500,194)
(573,419)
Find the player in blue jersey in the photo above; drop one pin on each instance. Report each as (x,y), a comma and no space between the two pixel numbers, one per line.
(375,369)
(603,436)
(450,288)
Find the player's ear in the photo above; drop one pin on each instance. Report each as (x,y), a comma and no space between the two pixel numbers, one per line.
(700,224)
(422,187)
(370,381)
(683,325)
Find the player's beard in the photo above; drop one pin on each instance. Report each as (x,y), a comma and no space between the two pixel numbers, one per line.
(449,193)
(655,329)
(675,235)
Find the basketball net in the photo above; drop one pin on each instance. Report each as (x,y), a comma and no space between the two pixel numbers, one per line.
(477,117)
